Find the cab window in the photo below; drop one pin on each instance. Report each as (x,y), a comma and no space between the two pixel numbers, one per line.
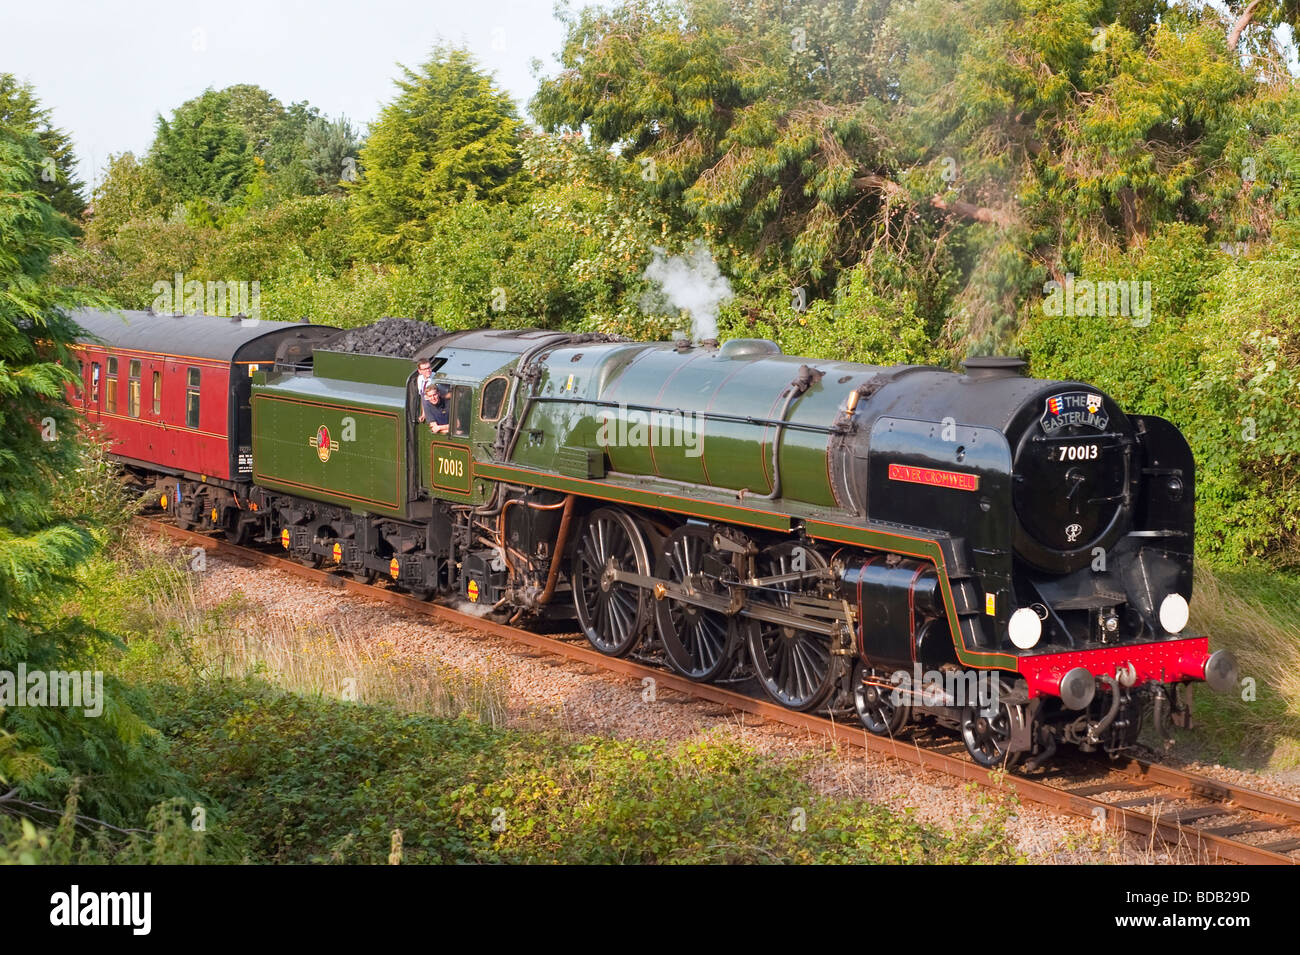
(462,400)
(494,396)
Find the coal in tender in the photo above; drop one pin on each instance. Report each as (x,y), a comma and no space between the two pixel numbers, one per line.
(391,337)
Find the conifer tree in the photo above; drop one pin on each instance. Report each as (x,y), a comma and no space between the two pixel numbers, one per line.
(56,178)
(449,135)
(203,152)
(42,546)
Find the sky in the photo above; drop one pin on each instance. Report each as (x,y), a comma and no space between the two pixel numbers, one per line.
(108,69)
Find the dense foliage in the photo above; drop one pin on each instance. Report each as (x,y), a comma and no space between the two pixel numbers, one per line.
(47,537)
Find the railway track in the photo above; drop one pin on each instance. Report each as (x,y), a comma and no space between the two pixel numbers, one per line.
(1220,822)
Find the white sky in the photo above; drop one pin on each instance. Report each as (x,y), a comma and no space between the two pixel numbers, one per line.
(108,69)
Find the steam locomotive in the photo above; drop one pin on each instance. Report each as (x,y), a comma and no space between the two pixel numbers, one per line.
(1006,555)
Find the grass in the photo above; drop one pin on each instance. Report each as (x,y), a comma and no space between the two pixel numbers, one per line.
(235,640)
(1256,614)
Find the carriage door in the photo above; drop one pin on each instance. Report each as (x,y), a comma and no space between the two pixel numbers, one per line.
(94,389)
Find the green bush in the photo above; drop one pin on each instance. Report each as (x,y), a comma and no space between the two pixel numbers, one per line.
(1221,359)
(858,324)
(316,781)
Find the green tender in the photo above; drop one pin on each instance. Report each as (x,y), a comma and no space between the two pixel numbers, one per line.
(364,465)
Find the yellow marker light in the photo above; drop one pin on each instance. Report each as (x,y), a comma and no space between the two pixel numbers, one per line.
(394,568)
(284,538)
(991,605)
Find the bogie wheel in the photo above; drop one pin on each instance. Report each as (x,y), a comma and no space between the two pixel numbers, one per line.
(878,709)
(988,738)
(700,644)
(187,516)
(795,666)
(613,615)
(309,559)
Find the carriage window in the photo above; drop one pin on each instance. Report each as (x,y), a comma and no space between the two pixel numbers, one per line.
(78,389)
(461,409)
(133,389)
(157,392)
(110,387)
(94,383)
(192,398)
(494,393)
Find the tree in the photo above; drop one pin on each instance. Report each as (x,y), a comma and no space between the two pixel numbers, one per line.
(1268,13)
(40,549)
(961,153)
(129,190)
(330,151)
(257,113)
(766,121)
(21,110)
(286,152)
(447,136)
(203,152)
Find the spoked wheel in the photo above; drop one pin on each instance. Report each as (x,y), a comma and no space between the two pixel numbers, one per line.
(988,738)
(613,615)
(875,702)
(795,666)
(701,644)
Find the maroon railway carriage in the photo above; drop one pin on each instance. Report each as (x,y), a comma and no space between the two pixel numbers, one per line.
(170,394)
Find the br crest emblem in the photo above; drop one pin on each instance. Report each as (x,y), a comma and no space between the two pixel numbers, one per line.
(322,443)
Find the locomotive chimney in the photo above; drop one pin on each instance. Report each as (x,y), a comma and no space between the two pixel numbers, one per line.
(986,367)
